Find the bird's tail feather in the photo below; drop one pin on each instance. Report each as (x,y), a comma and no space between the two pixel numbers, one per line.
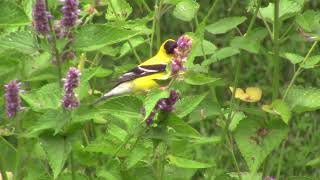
(118,90)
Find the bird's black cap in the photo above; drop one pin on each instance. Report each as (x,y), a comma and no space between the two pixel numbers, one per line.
(169,46)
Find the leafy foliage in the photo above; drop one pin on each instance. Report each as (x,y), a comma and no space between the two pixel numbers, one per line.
(209,132)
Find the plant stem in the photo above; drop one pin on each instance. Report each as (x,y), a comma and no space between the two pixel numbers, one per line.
(19,145)
(280,159)
(2,170)
(153,27)
(158,27)
(234,159)
(134,52)
(276,50)
(299,70)
(146,6)
(55,51)
(73,170)
(253,19)
(210,11)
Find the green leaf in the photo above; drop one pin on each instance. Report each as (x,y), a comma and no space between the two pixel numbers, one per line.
(302,99)
(117,132)
(226,24)
(206,48)
(311,62)
(281,108)
(293,58)
(221,54)
(254,145)
(309,21)
(47,97)
(138,153)
(186,10)
(187,104)
(95,36)
(118,10)
(245,43)
(236,118)
(22,41)
(57,150)
(288,8)
(135,42)
(199,79)
(12,14)
(314,162)
(187,163)
(152,98)
(8,154)
(177,127)
(246,175)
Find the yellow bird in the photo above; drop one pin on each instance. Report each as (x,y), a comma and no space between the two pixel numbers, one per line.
(144,77)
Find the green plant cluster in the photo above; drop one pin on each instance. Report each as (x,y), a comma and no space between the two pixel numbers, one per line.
(212,134)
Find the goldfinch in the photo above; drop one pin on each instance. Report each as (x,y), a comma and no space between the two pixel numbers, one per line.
(144,77)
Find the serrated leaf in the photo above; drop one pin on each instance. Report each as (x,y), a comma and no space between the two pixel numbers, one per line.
(224,25)
(245,43)
(117,132)
(95,36)
(181,128)
(287,9)
(193,78)
(152,98)
(118,10)
(221,54)
(302,99)
(292,57)
(236,118)
(47,97)
(256,146)
(206,48)
(22,41)
(309,21)
(281,108)
(186,163)
(311,62)
(57,150)
(135,42)
(138,153)
(186,10)
(12,14)
(187,104)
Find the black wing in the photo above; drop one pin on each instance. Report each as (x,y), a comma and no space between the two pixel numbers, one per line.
(141,71)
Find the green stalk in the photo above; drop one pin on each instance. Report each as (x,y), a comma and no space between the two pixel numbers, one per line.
(146,6)
(153,26)
(210,11)
(253,19)
(299,70)
(276,50)
(55,51)
(19,152)
(2,170)
(158,25)
(134,52)
(72,167)
(280,160)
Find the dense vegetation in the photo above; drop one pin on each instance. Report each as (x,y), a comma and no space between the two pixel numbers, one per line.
(247,98)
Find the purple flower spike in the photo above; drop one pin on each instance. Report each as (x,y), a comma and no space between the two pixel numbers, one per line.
(70,12)
(71,82)
(181,53)
(269,178)
(13,101)
(165,104)
(41,17)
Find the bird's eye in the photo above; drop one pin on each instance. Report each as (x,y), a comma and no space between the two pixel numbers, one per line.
(169,46)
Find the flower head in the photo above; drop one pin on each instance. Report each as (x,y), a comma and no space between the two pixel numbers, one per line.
(165,104)
(13,101)
(70,12)
(181,53)
(71,82)
(269,178)
(41,17)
